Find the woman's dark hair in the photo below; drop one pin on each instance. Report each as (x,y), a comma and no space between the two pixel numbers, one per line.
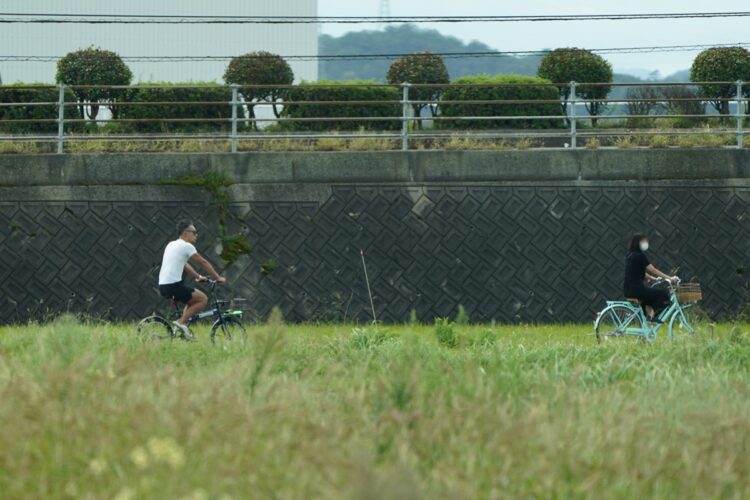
(635,242)
(183,224)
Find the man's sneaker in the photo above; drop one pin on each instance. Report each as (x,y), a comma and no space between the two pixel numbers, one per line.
(186,333)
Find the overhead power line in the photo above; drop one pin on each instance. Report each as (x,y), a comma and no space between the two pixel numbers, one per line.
(348,57)
(31,18)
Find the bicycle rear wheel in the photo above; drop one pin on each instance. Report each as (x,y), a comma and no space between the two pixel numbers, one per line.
(230,331)
(154,328)
(619,322)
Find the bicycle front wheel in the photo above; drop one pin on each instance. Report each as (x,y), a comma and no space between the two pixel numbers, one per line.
(619,322)
(154,328)
(229,331)
(688,320)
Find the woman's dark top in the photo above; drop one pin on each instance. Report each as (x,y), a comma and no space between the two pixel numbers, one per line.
(635,274)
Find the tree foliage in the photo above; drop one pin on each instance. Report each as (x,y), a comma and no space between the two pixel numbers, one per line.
(642,101)
(529,89)
(580,66)
(721,64)
(335,91)
(681,100)
(420,68)
(260,68)
(94,66)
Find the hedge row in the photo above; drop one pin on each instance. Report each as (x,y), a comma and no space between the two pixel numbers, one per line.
(179,111)
(320,93)
(335,91)
(10,94)
(534,89)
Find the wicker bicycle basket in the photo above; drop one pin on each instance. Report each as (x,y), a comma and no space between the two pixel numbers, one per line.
(689,292)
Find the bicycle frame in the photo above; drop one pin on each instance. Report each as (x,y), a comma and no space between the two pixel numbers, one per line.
(215,312)
(670,315)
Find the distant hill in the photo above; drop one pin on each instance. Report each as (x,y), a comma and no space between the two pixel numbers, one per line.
(407,39)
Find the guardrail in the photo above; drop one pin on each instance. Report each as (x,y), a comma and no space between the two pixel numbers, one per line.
(407,127)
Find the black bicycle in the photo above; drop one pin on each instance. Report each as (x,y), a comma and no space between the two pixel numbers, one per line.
(227,327)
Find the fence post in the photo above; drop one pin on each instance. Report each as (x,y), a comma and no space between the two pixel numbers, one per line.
(573,122)
(234,104)
(61,119)
(405,108)
(740,116)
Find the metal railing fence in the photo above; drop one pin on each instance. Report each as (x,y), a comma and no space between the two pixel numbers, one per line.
(405,125)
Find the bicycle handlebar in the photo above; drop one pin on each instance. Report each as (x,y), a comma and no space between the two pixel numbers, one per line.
(659,281)
(208,281)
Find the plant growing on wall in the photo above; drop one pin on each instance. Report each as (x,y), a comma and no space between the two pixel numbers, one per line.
(233,245)
(721,64)
(94,66)
(260,69)
(581,66)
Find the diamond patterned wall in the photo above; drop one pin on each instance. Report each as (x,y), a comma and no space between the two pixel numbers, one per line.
(509,252)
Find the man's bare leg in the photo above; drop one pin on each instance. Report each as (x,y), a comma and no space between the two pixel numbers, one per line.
(195,305)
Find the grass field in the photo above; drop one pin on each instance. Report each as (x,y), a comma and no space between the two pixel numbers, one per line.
(88,411)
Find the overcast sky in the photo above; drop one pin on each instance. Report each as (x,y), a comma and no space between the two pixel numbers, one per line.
(598,34)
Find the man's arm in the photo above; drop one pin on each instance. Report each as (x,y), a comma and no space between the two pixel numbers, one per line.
(206,265)
(193,273)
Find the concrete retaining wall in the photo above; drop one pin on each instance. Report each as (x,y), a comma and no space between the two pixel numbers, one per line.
(511,235)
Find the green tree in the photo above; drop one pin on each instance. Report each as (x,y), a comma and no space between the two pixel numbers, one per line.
(94,66)
(420,68)
(580,66)
(260,68)
(721,64)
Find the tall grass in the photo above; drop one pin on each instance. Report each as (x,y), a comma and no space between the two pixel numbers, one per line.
(87,411)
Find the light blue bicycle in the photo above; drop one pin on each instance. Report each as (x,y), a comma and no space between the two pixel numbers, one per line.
(626,319)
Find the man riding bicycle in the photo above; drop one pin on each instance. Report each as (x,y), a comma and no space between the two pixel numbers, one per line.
(174,264)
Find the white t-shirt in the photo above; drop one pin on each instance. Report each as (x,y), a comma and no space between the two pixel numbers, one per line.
(176,256)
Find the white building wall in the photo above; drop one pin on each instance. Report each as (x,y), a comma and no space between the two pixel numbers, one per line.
(159,39)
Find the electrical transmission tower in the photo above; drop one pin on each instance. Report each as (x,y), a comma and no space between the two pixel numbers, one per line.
(384,11)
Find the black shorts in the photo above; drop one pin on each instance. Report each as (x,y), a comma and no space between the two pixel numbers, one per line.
(177,291)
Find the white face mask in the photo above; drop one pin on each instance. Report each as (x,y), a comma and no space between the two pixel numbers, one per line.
(644,246)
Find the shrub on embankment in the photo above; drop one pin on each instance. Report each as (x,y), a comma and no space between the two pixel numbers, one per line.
(196,94)
(30,99)
(316,94)
(500,88)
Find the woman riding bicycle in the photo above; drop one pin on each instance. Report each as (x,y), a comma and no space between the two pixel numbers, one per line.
(638,269)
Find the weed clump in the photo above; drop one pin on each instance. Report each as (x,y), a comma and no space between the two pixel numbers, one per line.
(462,317)
(367,337)
(444,333)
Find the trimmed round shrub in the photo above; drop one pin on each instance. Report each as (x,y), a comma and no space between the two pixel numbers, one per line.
(186,110)
(721,64)
(581,66)
(424,68)
(260,68)
(337,91)
(23,93)
(94,66)
(533,89)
